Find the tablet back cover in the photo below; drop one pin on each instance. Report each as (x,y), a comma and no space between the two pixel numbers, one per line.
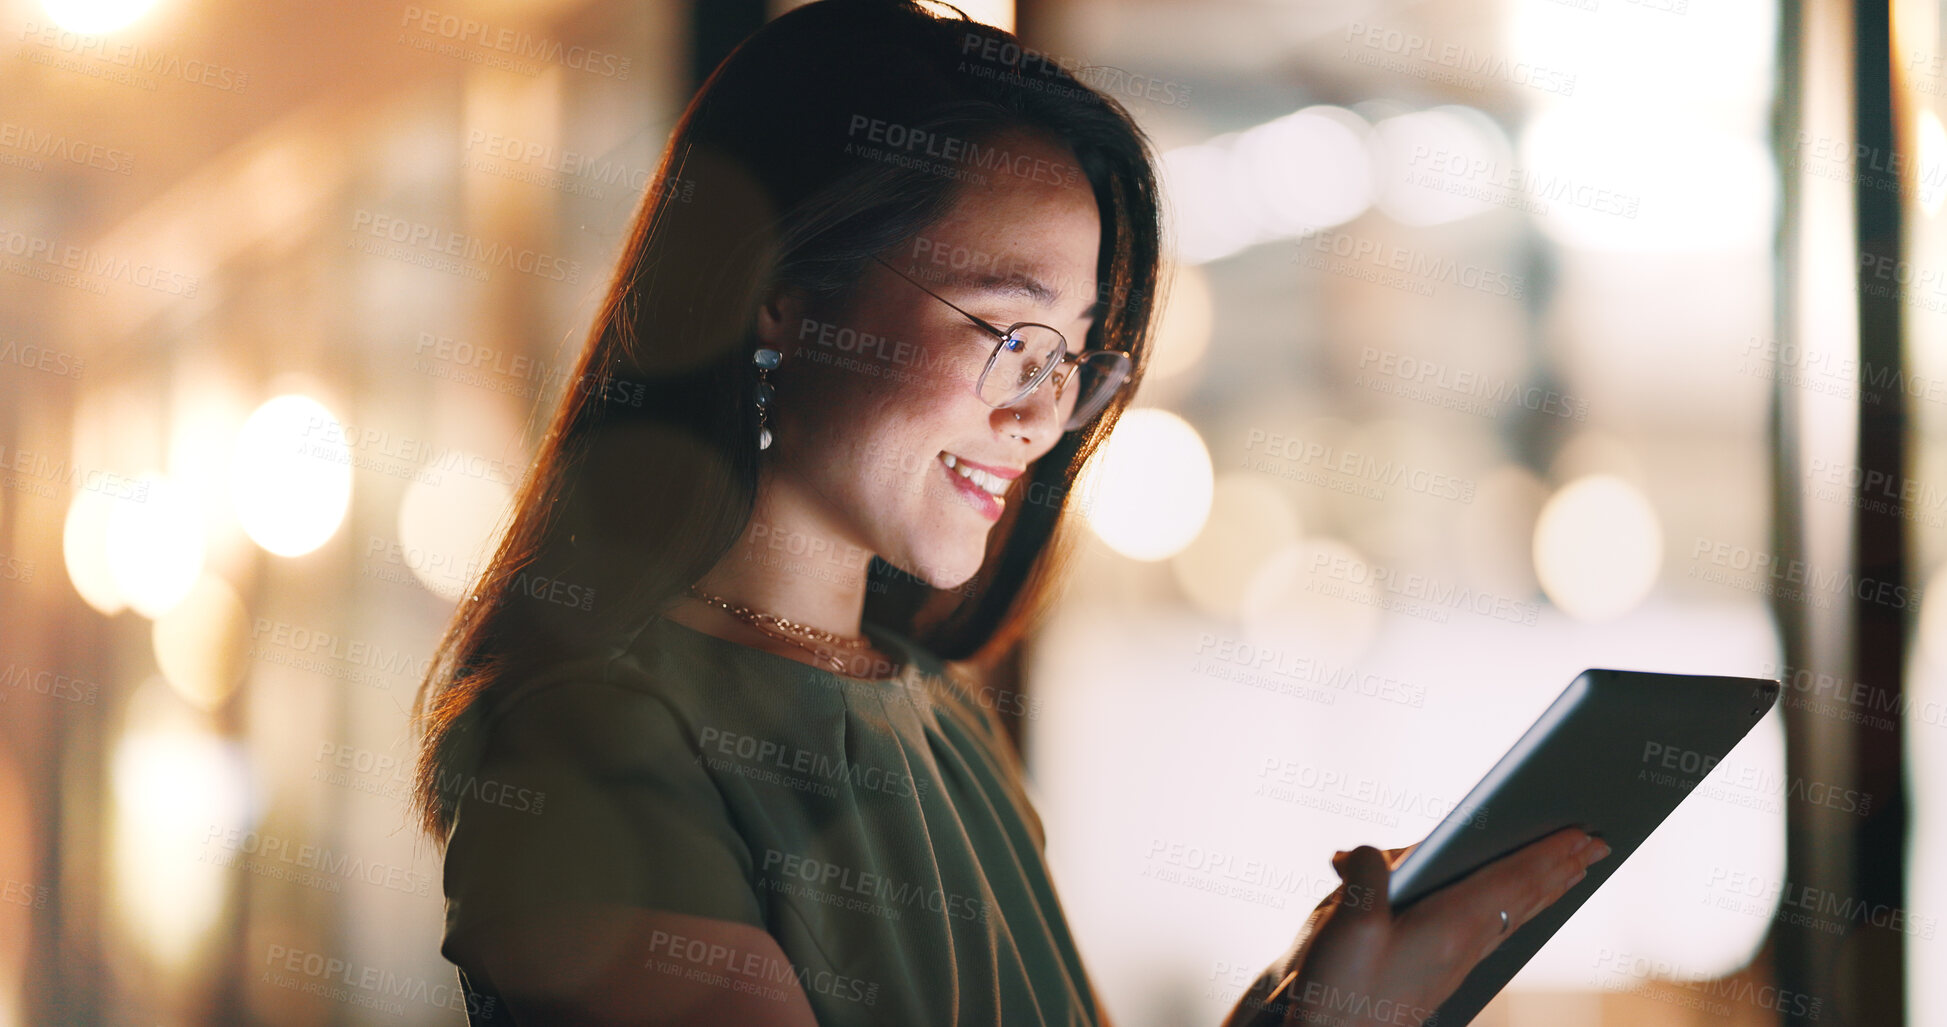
(1629,748)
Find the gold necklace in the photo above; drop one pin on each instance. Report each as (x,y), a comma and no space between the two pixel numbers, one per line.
(786,630)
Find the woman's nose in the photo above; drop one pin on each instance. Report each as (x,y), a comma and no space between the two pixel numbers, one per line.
(1039,416)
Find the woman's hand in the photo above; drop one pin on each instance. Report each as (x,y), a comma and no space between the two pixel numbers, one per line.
(1357,964)
(1394,857)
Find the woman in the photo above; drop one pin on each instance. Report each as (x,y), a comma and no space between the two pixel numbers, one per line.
(892,287)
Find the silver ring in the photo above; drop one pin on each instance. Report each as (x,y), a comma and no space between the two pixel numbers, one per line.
(1504,921)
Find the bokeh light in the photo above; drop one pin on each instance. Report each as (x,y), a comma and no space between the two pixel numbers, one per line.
(1930,177)
(199,645)
(1598,548)
(173,785)
(291,478)
(84,550)
(1213,218)
(1306,170)
(1932,632)
(154,542)
(1610,182)
(1250,519)
(449,529)
(1183,332)
(1147,491)
(1434,165)
(96,16)
(1282,179)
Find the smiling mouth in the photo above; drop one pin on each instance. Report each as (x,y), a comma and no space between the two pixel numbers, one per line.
(979,489)
(994,484)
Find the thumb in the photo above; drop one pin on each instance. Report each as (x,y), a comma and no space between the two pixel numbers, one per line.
(1366,874)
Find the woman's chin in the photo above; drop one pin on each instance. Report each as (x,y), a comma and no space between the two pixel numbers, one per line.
(948,572)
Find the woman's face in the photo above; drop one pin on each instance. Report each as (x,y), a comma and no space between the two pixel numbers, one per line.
(874,400)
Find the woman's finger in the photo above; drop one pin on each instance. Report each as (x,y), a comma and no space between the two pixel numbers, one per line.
(1365,872)
(1538,874)
(1522,883)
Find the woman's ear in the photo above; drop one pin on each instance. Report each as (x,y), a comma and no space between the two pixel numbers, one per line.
(781,316)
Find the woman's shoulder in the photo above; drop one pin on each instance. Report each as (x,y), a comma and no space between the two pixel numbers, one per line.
(686,682)
(597,705)
(584,791)
(641,666)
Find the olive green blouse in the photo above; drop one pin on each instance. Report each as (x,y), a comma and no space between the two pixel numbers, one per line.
(876,829)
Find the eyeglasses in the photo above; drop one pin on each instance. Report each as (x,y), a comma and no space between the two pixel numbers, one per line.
(1026,354)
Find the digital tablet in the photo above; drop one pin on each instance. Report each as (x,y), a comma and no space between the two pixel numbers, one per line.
(1615,753)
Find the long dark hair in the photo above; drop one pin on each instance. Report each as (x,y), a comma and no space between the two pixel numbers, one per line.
(648,470)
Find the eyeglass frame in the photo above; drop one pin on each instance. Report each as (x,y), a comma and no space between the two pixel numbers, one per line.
(1000,338)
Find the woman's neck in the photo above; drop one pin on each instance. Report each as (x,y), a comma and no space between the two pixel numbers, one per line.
(786,565)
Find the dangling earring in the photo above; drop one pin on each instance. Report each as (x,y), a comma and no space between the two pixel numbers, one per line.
(765,359)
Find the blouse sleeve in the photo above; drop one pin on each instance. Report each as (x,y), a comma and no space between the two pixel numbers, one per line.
(590,792)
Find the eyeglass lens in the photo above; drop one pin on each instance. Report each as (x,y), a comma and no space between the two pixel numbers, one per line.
(1081,389)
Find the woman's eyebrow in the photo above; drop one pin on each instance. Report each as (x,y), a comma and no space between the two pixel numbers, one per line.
(1013,283)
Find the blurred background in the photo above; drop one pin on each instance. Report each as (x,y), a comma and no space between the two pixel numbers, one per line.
(1504,340)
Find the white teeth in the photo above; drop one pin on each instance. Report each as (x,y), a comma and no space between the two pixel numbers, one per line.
(994,484)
